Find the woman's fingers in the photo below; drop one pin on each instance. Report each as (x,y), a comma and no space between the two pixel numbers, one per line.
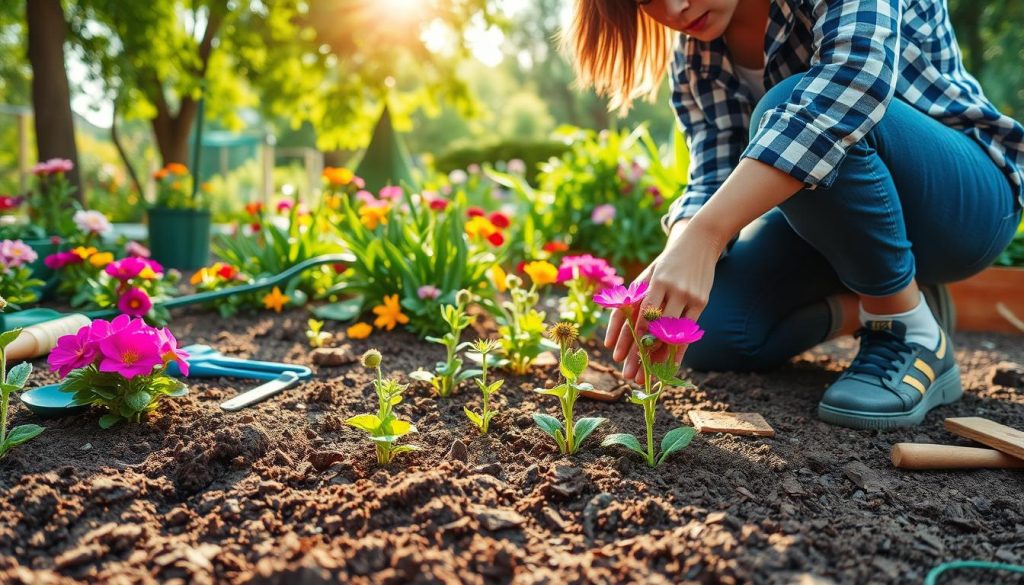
(614,331)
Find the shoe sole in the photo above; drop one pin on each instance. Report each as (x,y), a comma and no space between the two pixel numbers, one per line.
(946,390)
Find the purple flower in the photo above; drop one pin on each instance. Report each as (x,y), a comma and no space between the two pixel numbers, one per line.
(603,214)
(428,292)
(130,353)
(676,330)
(617,297)
(62,259)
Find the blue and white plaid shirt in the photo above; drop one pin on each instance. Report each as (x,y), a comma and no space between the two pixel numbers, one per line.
(857,54)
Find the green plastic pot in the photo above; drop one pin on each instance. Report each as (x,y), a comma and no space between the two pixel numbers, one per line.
(179,238)
(43,248)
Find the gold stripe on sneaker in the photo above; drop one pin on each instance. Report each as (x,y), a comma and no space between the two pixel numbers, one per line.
(941,352)
(925,369)
(915,383)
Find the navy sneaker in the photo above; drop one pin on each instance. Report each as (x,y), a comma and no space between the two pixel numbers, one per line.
(892,382)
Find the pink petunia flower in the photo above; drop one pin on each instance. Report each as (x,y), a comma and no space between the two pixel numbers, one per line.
(617,297)
(92,222)
(61,259)
(73,352)
(135,302)
(130,353)
(596,270)
(603,214)
(15,253)
(676,330)
(428,292)
(170,352)
(136,249)
(366,198)
(390,193)
(126,269)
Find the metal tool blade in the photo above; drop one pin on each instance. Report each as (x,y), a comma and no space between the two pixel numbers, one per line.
(261,392)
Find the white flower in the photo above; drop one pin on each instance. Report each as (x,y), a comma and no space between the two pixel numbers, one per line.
(458,177)
(92,222)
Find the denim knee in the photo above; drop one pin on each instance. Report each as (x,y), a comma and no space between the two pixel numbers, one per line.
(724,348)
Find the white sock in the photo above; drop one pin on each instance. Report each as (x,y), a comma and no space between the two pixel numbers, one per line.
(921,325)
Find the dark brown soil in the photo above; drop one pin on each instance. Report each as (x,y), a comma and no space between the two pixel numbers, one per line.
(284,492)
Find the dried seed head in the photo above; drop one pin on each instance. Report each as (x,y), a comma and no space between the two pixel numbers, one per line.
(3,303)
(563,333)
(651,313)
(371,359)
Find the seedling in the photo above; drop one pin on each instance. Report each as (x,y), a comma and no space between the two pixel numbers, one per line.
(658,374)
(482,420)
(384,428)
(315,334)
(9,384)
(572,364)
(522,326)
(449,373)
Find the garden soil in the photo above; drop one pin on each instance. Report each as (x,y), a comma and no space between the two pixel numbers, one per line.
(286,493)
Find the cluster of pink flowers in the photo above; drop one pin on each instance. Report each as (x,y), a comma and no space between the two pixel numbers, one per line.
(53,167)
(603,214)
(10,202)
(125,346)
(137,250)
(15,253)
(668,330)
(596,270)
(386,196)
(134,300)
(92,222)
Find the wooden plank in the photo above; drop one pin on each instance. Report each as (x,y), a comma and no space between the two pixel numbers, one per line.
(926,456)
(735,423)
(1006,439)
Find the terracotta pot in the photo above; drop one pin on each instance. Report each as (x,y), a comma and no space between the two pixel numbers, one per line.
(990,300)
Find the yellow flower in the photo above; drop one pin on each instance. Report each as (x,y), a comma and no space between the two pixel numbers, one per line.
(541,272)
(199,276)
(101,259)
(359,331)
(374,215)
(532,322)
(148,274)
(389,314)
(479,227)
(275,300)
(83,252)
(499,277)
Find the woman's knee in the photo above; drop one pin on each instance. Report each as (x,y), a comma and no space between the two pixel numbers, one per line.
(723,348)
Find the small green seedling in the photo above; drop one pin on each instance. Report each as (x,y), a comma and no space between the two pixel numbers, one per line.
(521,326)
(449,373)
(384,428)
(484,347)
(572,363)
(316,335)
(11,382)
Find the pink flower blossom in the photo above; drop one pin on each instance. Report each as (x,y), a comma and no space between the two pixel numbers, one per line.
(62,259)
(516,166)
(366,198)
(9,202)
(603,214)
(73,352)
(676,330)
(617,297)
(473,168)
(359,182)
(15,253)
(92,222)
(126,269)
(391,193)
(136,249)
(52,167)
(135,302)
(170,352)
(428,292)
(130,353)
(596,270)
(153,265)
(285,205)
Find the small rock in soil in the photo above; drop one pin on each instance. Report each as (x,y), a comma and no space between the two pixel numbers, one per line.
(554,518)
(569,481)
(593,508)
(793,487)
(488,469)
(332,357)
(1007,374)
(864,477)
(322,460)
(716,518)
(498,518)
(458,452)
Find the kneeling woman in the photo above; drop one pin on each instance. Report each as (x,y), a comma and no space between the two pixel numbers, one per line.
(843,166)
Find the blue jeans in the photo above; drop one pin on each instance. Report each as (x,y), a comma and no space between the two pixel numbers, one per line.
(913,199)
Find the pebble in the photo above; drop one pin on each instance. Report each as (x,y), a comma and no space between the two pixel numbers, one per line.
(331,357)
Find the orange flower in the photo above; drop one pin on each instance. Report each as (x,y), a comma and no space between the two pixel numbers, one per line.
(253,208)
(338,177)
(160,175)
(389,314)
(480,227)
(359,331)
(101,259)
(199,276)
(275,300)
(374,215)
(176,168)
(541,272)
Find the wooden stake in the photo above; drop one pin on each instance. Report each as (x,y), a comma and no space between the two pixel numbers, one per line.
(923,456)
(1006,439)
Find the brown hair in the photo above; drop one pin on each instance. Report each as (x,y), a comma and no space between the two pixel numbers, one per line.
(618,50)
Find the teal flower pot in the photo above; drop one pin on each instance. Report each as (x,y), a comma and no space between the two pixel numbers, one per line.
(43,248)
(179,238)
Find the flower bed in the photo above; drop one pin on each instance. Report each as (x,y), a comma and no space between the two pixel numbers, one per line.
(286,492)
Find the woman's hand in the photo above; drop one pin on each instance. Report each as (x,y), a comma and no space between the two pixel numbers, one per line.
(680,281)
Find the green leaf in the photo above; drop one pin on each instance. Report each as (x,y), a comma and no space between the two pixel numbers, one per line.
(624,440)
(675,440)
(404,449)
(7,337)
(560,440)
(109,420)
(341,311)
(479,422)
(664,370)
(179,390)
(558,391)
(399,428)
(366,422)
(138,401)
(548,424)
(467,374)
(573,363)
(494,386)
(19,374)
(583,427)
(422,376)
(19,435)
(9,388)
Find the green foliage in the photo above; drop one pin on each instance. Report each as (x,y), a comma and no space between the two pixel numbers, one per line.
(316,335)
(532,153)
(384,428)
(19,287)
(123,399)
(482,420)
(520,325)
(51,205)
(449,374)
(11,382)
(1013,255)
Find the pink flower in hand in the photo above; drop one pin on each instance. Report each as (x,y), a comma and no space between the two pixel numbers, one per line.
(617,297)
(676,330)
(73,352)
(130,354)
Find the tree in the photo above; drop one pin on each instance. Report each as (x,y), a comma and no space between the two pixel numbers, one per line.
(51,97)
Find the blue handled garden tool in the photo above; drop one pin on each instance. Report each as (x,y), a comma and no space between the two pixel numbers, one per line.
(206,362)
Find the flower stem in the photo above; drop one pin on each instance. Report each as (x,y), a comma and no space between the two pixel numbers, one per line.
(4,397)
(649,419)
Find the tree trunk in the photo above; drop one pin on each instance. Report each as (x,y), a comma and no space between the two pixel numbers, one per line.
(115,136)
(51,98)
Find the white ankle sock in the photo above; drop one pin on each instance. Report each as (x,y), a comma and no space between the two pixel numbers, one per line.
(921,325)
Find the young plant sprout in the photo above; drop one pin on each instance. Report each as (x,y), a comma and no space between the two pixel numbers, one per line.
(484,347)
(522,326)
(449,373)
(384,428)
(672,332)
(11,382)
(315,334)
(572,364)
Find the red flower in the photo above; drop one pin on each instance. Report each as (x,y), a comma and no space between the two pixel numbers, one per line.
(253,208)
(439,204)
(500,220)
(521,266)
(339,267)
(227,272)
(496,239)
(254,226)
(475,212)
(556,247)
